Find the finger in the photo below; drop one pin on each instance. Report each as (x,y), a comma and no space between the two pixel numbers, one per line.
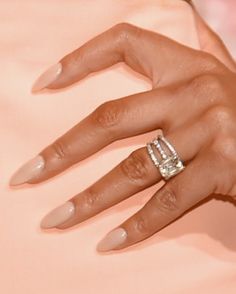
(111,121)
(133,174)
(102,51)
(143,50)
(211,42)
(167,204)
(103,126)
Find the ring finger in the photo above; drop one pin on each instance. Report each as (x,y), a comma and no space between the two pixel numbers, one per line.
(133,174)
(166,205)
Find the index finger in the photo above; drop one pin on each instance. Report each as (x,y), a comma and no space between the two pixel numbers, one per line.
(145,51)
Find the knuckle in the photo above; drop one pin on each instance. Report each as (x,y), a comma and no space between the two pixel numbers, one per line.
(166,200)
(141,225)
(125,28)
(208,85)
(213,82)
(211,63)
(122,26)
(60,150)
(221,117)
(126,31)
(225,148)
(135,167)
(109,115)
(90,199)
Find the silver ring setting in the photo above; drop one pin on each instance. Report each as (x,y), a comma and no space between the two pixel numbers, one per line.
(169,163)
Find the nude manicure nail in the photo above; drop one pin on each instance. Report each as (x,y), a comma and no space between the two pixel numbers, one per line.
(58,216)
(47,77)
(112,240)
(28,171)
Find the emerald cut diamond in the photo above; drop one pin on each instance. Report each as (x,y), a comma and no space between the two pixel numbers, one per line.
(170,167)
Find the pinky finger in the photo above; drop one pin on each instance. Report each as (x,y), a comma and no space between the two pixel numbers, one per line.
(167,204)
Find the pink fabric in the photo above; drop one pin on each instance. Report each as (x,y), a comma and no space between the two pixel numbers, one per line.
(195,254)
(220,14)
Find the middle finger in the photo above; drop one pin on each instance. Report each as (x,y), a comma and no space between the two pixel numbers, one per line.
(111,121)
(133,174)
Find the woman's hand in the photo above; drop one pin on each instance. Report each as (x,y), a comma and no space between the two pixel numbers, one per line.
(192,100)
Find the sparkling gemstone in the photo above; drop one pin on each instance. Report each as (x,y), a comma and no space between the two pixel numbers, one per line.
(170,167)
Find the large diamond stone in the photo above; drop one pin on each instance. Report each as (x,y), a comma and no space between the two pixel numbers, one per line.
(170,167)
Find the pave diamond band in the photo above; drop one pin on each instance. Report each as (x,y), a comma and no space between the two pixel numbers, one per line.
(168,163)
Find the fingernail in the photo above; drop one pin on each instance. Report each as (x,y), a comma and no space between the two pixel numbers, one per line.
(58,216)
(112,240)
(47,77)
(28,171)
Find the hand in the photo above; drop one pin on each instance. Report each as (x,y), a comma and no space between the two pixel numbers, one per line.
(192,100)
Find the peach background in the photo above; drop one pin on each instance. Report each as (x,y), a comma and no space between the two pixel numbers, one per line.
(196,254)
(220,14)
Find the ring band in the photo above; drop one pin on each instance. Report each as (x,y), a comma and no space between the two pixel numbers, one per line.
(169,163)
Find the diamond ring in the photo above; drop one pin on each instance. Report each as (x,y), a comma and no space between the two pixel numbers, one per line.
(169,163)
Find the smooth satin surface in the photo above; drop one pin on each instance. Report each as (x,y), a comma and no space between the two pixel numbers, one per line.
(196,254)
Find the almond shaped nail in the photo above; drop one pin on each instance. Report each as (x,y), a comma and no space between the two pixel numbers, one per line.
(47,78)
(112,240)
(58,216)
(28,171)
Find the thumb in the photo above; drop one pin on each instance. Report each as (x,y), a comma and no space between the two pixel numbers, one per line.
(211,42)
